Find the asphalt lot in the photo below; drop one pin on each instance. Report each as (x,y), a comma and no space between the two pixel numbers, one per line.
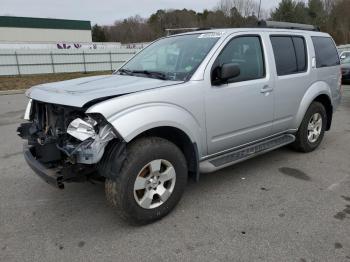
(282,206)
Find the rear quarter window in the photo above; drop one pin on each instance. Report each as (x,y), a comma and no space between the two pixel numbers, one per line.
(290,54)
(326,52)
(301,53)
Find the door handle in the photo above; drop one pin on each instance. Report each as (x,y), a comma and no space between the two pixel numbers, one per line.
(266,89)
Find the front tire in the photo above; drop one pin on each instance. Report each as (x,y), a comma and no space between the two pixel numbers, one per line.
(151,181)
(312,129)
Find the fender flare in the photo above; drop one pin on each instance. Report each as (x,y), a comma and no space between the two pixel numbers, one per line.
(315,90)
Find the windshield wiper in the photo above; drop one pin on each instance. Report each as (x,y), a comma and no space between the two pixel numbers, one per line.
(125,71)
(155,74)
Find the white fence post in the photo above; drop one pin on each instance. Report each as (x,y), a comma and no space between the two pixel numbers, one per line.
(18,66)
(84,62)
(52,63)
(110,60)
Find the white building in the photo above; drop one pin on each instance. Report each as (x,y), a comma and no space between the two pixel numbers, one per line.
(31,30)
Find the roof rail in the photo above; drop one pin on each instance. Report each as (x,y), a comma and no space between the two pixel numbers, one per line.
(286,25)
(189,29)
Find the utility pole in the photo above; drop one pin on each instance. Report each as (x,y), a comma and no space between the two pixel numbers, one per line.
(259,10)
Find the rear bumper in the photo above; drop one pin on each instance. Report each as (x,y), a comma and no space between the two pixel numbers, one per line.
(50,176)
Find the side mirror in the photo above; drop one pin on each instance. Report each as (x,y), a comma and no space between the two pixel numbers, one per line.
(342,57)
(229,71)
(225,72)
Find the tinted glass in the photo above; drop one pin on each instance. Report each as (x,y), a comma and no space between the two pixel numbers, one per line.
(286,61)
(177,58)
(247,53)
(300,51)
(326,52)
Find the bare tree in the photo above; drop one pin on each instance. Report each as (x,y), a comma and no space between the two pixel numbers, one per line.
(244,7)
(331,15)
(225,6)
(328,5)
(250,7)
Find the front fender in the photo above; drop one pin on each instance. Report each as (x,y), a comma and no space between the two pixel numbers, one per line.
(135,120)
(315,90)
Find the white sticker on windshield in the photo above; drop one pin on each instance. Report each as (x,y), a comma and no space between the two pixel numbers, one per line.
(212,35)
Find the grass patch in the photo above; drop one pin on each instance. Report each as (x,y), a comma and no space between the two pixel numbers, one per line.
(27,81)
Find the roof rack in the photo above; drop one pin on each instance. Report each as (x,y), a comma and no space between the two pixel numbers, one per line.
(189,29)
(286,25)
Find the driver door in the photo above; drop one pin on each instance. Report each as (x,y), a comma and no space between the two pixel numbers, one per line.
(240,110)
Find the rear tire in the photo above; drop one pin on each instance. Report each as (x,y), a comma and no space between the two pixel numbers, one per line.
(312,129)
(151,181)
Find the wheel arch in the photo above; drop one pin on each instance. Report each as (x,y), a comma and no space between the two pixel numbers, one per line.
(182,141)
(326,102)
(116,150)
(166,120)
(318,92)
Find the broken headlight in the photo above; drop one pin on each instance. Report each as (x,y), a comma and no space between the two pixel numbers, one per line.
(94,134)
(28,111)
(82,129)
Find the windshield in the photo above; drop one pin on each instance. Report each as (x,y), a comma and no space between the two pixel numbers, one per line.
(346,60)
(173,58)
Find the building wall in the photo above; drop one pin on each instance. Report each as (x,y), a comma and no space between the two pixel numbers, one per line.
(12,34)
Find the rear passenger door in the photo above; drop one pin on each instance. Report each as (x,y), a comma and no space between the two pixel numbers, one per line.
(293,77)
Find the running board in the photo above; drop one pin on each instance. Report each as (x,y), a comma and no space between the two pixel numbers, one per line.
(239,155)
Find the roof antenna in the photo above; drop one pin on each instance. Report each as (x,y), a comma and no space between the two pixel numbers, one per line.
(259,10)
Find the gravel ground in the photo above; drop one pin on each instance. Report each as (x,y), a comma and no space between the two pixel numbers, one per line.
(282,206)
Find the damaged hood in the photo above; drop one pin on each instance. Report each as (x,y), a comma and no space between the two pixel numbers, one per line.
(78,92)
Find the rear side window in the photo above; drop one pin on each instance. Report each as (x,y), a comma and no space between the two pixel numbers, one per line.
(290,54)
(326,52)
(300,52)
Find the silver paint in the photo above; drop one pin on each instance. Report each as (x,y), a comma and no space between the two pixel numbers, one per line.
(216,118)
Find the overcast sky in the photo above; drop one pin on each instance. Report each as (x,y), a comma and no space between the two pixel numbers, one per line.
(103,11)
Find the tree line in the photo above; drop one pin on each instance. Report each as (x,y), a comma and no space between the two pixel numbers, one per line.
(331,16)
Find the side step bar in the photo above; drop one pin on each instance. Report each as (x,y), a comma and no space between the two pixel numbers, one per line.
(245,153)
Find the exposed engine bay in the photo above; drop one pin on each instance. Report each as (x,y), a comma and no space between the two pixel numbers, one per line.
(63,136)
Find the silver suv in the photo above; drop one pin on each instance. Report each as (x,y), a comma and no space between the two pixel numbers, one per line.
(187,104)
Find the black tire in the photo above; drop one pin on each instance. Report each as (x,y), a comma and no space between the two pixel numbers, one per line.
(120,191)
(302,143)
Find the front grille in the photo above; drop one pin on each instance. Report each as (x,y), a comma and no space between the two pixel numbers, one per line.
(52,118)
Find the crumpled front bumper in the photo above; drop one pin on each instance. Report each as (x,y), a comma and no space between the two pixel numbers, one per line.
(49,175)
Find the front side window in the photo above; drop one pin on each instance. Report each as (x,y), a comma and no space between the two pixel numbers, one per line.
(290,54)
(326,52)
(173,58)
(247,53)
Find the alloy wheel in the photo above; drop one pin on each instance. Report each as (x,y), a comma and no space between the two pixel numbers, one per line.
(314,128)
(154,184)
